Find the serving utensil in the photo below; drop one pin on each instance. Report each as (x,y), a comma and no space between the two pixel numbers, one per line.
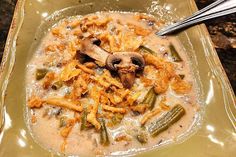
(216,9)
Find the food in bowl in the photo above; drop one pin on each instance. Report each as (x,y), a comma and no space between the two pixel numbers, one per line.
(106,84)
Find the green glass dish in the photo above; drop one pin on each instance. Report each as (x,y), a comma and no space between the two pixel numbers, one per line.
(214,135)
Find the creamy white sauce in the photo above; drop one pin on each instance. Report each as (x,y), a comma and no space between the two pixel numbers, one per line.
(46,131)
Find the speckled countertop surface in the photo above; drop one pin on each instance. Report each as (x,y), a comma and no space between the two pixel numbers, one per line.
(222,31)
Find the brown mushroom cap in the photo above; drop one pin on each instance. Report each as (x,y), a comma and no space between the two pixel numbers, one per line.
(126,63)
(89,46)
(125,59)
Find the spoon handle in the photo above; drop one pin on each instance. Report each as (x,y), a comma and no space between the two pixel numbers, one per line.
(216,9)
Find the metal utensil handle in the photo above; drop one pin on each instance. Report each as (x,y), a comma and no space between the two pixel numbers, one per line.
(232,10)
(212,5)
(223,8)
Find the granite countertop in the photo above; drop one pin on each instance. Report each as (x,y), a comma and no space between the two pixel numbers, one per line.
(222,31)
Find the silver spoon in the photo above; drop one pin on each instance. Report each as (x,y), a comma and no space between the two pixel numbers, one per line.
(216,9)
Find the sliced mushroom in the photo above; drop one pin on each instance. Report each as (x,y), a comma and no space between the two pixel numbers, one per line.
(127,64)
(90,47)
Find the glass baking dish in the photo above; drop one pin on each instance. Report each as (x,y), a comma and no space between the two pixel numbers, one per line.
(214,135)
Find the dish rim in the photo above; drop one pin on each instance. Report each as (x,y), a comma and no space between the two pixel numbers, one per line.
(8,61)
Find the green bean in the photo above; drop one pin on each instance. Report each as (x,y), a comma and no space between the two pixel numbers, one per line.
(142,138)
(145,49)
(40,73)
(116,119)
(150,98)
(104,138)
(175,54)
(84,120)
(166,120)
(57,85)
(152,101)
(62,121)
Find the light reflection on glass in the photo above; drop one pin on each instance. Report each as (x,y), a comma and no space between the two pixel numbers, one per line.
(45,14)
(215,140)
(7,121)
(234,136)
(23,133)
(7,124)
(1,136)
(210,93)
(40,1)
(210,128)
(168,7)
(21,142)
(31,147)
(37,12)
